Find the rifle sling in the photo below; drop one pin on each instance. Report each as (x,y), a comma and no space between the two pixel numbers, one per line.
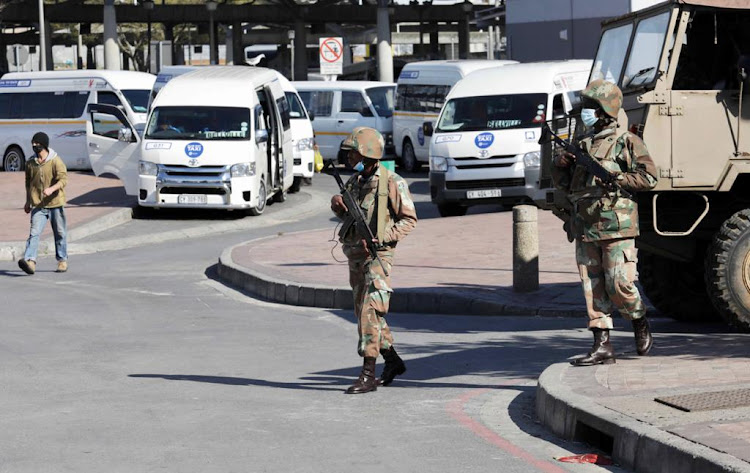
(382,202)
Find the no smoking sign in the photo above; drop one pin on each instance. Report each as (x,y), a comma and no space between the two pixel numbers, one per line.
(331,56)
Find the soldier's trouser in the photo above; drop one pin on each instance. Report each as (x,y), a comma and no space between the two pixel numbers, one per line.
(372,294)
(608,273)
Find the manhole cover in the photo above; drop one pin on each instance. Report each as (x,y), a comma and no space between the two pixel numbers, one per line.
(708,401)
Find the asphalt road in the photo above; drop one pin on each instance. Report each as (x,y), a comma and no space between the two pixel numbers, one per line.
(138,360)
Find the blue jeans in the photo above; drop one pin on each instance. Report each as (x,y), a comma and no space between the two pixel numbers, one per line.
(39,217)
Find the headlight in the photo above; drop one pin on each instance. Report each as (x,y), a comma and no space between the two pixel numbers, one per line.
(531,160)
(438,164)
(243,170)
(305,144)
(146,168)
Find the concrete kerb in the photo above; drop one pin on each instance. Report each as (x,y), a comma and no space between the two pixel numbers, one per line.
(424,301)
(13,250)
(637,445)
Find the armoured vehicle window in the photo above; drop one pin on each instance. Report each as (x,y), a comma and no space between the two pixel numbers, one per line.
(716,47)
(610,58)
(646,51)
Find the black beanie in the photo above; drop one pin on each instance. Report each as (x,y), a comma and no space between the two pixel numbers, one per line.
(41,138)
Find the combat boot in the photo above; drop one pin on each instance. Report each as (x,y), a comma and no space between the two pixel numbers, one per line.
(601,352)
(643,339)
(394,366)
(367,381)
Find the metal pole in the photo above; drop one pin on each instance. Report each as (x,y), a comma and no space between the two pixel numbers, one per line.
(490,42)
(42,39)
(212,39)
(148,53)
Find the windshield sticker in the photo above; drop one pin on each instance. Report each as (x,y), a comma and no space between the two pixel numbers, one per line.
(409,75)
(530,136)
(225,134)
(15,83)
(447,139)
(159,146)
(420,136)
(484,140)
(193,150)
(497,124)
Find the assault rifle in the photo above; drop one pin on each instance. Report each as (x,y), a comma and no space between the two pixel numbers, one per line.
(584,159)
(355,216)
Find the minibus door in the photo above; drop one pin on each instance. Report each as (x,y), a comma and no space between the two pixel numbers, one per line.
(113,145)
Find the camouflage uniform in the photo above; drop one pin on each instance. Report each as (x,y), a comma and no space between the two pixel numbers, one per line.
(604,221)
(370,286)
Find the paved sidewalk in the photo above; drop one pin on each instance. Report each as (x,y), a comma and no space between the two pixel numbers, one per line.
(463,265)
(94,204)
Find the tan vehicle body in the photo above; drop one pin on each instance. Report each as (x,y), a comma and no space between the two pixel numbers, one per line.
(680,74)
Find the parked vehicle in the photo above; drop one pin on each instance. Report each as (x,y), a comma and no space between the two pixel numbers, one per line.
(339,107)
(420,94)
(217,137)
(302,130)
(55,102)
(485,148)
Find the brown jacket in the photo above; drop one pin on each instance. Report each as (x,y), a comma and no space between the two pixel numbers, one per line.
(40,176)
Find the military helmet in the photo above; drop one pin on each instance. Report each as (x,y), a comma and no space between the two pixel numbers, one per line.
(606,94)
(366,141)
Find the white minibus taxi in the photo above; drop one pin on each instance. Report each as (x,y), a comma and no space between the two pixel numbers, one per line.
(484,147)
(302,130)
(217,137)
(55,102)
(340,106)
(420,93)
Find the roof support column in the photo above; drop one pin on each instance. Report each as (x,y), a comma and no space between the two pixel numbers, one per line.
(300,50)
(111,49)
(385,55)
(434,41)
(238,50)
(463,39)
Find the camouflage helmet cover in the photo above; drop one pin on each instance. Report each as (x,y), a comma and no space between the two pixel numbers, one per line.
(366,141)
(606,94)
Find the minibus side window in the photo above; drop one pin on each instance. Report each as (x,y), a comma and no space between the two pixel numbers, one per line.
(283,106)
(320,103)
(108,98)
(440,94)
(5,100)
(354,102)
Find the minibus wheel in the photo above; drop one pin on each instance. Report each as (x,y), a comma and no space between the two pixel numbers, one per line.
(14,160)
(409,158)
(262,199)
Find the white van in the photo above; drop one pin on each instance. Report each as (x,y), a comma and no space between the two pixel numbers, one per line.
(484,148)
(340,106)
(55,102)
(302,130)
(218,137)
(420,94)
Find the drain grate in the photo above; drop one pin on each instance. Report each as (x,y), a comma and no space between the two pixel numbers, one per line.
(708,401)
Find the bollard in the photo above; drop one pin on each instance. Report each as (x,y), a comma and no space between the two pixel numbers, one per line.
(525,249)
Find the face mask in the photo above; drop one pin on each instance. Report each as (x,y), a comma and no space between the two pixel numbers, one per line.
(588,116)
(37,149)
(359,167)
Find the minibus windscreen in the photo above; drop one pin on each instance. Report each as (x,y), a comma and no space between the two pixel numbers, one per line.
(199,123)
(382,99)
(138,99)
(493,112)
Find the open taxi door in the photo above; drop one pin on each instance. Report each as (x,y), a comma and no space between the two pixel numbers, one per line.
(113,145)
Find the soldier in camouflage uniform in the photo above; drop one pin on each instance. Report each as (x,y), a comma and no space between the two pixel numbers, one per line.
(370,285)
(605,222)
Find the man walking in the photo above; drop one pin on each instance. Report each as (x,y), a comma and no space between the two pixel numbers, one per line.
(389,210)
(46,177)
(604,220)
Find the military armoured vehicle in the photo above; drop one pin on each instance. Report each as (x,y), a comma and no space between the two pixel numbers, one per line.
(682,66)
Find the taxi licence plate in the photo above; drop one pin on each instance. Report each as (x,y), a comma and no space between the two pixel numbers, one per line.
(483,194)
(191,199)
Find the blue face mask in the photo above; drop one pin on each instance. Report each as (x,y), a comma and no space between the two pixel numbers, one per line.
(588,117)
(359,167)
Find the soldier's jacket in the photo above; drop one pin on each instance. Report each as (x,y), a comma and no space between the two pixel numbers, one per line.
(401,216)
(598,213)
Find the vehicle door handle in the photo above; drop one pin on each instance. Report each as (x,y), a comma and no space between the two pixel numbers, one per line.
(341,121)
(93,145)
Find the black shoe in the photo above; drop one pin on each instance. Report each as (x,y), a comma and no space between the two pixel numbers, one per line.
(394,366)
(367,381)
(643,339)
(601,352)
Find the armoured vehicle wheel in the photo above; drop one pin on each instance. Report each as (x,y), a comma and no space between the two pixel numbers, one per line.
(262,199)
(409,158)
(728,270)
(452,210)
(14,160)
(675,288)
